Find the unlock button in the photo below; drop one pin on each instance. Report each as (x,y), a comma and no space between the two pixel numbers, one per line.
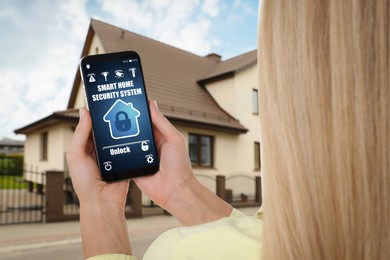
(144,146)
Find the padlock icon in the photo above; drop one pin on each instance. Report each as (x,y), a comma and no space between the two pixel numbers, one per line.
(122,121)
(144,146)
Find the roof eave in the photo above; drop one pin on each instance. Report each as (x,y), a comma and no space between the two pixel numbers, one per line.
(208,126)
(216,78)
(45,122)
(226,74)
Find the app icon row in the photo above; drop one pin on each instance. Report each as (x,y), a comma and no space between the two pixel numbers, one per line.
(106,75)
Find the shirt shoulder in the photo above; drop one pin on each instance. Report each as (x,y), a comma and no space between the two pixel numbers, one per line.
(113,257)
(235,237)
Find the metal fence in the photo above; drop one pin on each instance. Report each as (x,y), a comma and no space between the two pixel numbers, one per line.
(31,196)
(240,187)
(72,204)
(21,201)
(71,201)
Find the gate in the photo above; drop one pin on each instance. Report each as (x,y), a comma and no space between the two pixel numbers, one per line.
(21,193)
(243,188)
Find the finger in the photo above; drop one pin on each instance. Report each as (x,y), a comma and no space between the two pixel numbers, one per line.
(82,133)
(160,122)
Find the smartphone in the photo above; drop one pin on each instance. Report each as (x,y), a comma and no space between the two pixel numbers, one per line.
(116,98)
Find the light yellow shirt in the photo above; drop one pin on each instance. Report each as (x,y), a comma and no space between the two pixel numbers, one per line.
(236,237)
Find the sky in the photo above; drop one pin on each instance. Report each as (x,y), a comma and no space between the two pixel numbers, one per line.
(41,43)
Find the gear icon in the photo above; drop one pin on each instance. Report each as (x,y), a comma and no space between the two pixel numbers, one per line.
(149,159)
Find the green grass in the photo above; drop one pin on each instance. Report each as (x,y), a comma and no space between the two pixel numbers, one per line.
(12,182)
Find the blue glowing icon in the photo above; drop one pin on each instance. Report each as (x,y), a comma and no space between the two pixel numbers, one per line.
(122,119)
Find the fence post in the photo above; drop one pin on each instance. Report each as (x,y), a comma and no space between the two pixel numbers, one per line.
(54,196)
(258,189)
(221,189)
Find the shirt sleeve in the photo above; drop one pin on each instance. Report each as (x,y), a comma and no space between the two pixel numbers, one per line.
(113,257)
(235,237)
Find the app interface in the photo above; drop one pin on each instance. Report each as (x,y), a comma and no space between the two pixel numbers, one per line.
(119,109)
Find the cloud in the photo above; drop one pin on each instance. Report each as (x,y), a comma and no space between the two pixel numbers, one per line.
(41,48)
(181,23)
(73,17)
(211,7)
(131,14)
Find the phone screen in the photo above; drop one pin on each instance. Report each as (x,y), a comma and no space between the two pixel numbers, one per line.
(117,100)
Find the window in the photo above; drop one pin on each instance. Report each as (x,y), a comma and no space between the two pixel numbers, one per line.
(255,101)
(43,146)
(201,150)
(257,156)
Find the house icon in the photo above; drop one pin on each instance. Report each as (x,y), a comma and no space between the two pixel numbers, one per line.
(122,119)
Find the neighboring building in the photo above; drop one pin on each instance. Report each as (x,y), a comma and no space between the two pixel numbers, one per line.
(11,147)
(213,103)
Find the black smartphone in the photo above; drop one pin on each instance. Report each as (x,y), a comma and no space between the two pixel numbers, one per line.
(116,97)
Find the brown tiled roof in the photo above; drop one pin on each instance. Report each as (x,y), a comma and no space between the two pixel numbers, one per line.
(69,115)
(230,66)
(171,77)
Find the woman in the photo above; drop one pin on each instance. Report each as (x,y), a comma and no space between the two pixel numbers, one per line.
(324,77)
(324,69)
(173,187)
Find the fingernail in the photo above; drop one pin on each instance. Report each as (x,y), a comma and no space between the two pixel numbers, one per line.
(81,113)
(155,104)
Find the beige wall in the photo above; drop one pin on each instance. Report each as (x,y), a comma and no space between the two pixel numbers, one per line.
(222,159)
(59,137)
(225,92)
(234,95)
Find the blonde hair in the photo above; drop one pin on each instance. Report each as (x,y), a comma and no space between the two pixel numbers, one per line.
(324,100)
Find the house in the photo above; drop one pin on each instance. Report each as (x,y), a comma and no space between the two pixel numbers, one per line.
(214,103)
(11,147)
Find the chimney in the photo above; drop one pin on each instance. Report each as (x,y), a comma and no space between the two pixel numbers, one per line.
(214,57)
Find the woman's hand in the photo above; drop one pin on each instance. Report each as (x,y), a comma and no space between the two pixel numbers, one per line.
(175,171)
(102,219)
(84,171)
(174,187)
